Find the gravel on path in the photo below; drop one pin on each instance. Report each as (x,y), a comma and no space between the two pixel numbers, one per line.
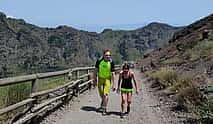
(145,109)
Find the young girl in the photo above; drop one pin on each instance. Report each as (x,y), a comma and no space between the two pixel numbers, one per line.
(126,87)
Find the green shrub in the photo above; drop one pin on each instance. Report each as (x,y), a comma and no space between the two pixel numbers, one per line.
(175,60)
(204,111)
(205,48)
(192,55)
(148,73)
(165,77)
(51,83)
(182,81)
(189,97)
(13,94)
(206,45)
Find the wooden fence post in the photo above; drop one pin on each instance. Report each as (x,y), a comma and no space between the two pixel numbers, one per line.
(37,105)
(77,89)
(66,99)
(77,74)
(33,90)
(70,75)
(89,78)
(34,86)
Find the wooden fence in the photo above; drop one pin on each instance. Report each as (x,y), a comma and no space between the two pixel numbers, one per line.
(43,101)
(208,91)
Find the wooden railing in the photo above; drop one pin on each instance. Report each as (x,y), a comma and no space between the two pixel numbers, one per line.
(208,94)
(207,90)
(43,101)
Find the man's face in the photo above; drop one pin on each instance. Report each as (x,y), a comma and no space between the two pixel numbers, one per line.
(107,56)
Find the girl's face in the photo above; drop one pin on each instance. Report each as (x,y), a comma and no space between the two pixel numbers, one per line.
(125,70)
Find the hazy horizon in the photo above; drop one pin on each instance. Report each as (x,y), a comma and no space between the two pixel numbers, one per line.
(101,28)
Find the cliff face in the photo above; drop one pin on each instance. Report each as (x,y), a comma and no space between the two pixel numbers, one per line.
(189,51)
(26,48)
(185,39)
(183,70)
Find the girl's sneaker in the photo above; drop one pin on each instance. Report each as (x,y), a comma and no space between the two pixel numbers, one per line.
(128,109)
(122,114)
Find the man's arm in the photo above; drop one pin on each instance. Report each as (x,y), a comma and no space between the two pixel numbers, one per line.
(119,82)
(95,75)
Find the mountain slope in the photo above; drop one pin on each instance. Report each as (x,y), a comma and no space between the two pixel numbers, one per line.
(26,48)
(183,70)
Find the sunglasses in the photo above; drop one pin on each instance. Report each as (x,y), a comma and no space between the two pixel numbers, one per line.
(125,71)
(107,55)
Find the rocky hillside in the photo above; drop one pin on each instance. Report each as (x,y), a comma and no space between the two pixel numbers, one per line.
(26,48)
(183,70)
(189,45)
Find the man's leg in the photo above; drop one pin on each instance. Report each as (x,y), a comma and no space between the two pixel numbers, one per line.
(106,89)
(101,92)
(105,101)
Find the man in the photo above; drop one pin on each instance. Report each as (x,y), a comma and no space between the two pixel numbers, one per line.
(105,72)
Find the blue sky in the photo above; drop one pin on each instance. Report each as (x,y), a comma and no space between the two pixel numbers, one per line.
(95,15)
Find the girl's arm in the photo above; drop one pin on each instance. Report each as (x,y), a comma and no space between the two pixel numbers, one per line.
(135,82)
(113,81)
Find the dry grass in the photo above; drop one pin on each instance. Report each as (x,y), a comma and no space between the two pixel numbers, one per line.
(174,60)
(187,92)
(189,96)
(205,49)
(183,86)
(181,82)
(191,55)
(165,77)
(12,94)
(204,112)
(50,83)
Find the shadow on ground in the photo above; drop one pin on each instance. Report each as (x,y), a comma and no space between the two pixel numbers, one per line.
(94,109)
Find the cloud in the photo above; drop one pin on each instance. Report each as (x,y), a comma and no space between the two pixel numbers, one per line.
(10,16)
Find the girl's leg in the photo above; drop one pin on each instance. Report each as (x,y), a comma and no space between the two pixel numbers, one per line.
(123,100)
(129,100)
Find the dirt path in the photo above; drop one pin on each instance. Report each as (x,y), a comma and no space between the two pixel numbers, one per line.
(145,109)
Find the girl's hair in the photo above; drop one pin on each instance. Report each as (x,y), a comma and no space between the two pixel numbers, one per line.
(126,66)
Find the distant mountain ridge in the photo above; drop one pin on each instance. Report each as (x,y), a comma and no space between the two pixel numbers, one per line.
(186,38)
(100,28)
(26,48)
